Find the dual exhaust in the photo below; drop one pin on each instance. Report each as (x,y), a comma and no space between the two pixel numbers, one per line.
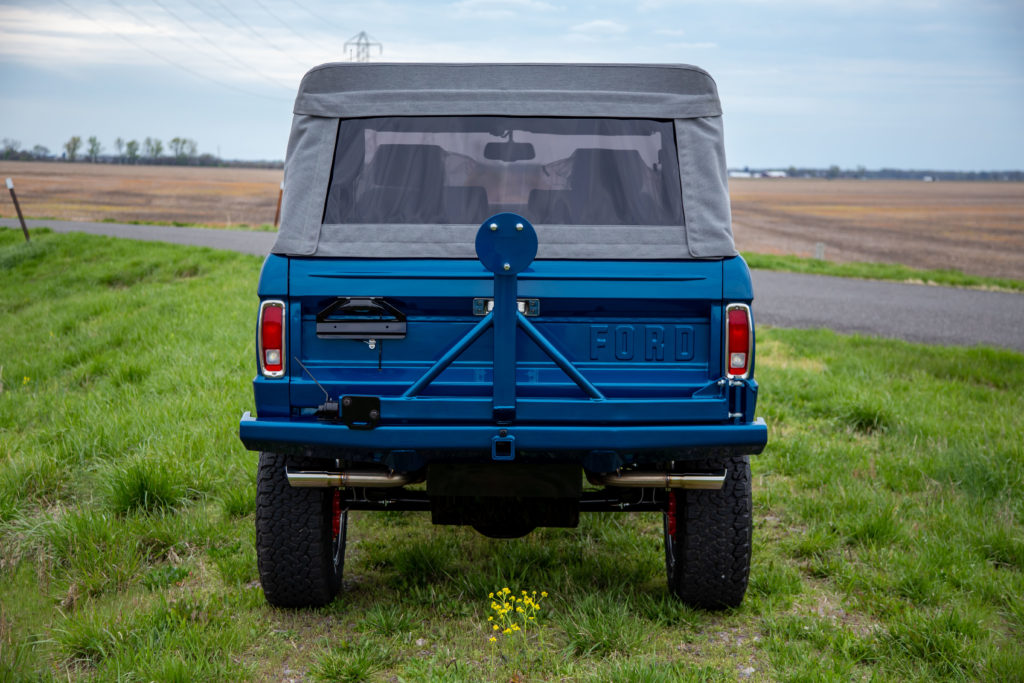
(373,479)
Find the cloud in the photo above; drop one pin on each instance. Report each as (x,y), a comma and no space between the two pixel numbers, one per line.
(499,9)
(672,32)
(704,45)
(840,5)
(88,37)
(598,28)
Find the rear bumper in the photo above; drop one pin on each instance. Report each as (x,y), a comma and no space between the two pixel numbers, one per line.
(428,443)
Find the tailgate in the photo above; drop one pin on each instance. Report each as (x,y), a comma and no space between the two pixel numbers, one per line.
(645,337)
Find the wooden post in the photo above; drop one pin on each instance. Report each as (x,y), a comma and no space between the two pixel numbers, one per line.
(277,214)
(17,207)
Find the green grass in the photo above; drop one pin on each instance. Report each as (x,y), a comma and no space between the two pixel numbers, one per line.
(889,507)
(881,271)
(262,227)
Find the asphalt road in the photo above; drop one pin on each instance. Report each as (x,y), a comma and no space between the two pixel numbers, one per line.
(921,313)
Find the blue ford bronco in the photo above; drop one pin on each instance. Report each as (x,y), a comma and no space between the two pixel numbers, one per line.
(499,280)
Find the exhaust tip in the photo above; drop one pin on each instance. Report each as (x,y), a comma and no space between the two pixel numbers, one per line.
(351,478)
(659,480)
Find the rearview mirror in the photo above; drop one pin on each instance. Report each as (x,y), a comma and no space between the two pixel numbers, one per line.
(509,151)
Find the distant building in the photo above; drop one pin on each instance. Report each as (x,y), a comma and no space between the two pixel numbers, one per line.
(746,173)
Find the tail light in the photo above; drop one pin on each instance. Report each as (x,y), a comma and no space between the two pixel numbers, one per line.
(739,341)
(270,336)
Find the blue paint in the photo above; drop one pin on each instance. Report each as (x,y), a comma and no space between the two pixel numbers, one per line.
(572,441)
(506,244)
(623,360)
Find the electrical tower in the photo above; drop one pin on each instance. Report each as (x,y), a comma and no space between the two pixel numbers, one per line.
(358,47)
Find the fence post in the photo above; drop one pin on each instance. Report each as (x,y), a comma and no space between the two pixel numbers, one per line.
(17,207)
(277,214)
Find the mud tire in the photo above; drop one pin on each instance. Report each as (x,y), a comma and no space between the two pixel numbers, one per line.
(707,559)
(299,555)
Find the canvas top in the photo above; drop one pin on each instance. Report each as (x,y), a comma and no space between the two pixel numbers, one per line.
(342,198)
(623,90)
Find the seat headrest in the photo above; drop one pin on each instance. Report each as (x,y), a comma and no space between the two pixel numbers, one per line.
(395,165)
(606,168)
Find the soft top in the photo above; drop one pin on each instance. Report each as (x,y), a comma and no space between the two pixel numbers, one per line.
(622,90)
(685,96)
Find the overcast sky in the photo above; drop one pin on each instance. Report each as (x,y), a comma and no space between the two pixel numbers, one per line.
(899,83)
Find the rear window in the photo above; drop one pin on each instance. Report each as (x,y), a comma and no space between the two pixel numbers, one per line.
(461,170)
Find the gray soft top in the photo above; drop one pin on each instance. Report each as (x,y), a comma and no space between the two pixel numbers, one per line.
(683,94)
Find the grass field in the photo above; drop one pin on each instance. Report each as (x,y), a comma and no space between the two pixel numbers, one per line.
(889,507)
(976,228)
(892,272)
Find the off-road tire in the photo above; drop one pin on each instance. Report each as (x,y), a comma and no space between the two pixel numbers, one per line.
(300,558)
(708,557)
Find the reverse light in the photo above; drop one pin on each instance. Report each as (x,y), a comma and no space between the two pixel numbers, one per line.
(270,335)
(739,341)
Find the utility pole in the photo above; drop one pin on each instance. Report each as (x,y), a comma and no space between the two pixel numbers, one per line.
(358,47)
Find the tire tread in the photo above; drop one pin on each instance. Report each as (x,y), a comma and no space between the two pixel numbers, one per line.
(294,544)
(713,540)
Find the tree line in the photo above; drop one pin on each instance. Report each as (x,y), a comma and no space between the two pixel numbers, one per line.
(862,173)
(180,150)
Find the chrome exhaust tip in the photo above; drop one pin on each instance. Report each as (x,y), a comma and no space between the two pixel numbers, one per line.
(659,480)
(348,479)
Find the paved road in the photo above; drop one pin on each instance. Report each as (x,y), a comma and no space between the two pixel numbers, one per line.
(935,315)
(245,241)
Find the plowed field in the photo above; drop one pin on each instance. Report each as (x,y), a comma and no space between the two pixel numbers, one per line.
(974,227)
(94,192)
(971,226)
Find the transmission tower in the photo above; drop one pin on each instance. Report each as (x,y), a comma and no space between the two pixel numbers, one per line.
(358,47)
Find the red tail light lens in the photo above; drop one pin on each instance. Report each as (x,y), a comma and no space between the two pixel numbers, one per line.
(271,338)
(738,341)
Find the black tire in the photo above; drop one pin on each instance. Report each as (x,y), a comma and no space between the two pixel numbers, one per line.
(707,558)
(300,536)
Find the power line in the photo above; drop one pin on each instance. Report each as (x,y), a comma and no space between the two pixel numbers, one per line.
(280,21)
(220,21)
(313,14)
(153,26)
(162,58)
(244,65)
(259,36)
(285,24)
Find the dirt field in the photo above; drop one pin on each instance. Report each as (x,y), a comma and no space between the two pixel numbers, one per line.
(974,227)
(93,192)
